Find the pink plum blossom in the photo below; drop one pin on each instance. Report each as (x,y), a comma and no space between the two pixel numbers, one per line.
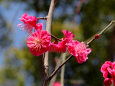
(39,42)
(61,45)
(68,34)
(39,26)
(29,22)
(105,67)
(108,70)
(79,50)
(58,46)
(57,84)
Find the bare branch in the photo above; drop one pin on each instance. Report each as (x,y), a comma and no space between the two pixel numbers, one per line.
(56,70)
(55,38)
(50,14)
(58,63)
(107,27)
(43,18)
(101,32)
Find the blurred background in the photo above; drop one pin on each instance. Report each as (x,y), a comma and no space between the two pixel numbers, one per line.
(18,67)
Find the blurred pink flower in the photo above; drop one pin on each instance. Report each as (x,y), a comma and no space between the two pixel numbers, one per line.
(29,22)
(39,42)
(57,84)
(79,50)
(108,70)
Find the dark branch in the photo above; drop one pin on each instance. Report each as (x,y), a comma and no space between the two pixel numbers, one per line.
(43,18)
(56,70)
(55,38)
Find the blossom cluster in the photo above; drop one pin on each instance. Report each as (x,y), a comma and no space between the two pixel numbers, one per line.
(108,70)
(39,40)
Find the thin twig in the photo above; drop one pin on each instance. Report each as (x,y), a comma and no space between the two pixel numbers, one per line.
(56,70)
(55,38)
(90,41)
(43,18)
(108,26)
(101,32)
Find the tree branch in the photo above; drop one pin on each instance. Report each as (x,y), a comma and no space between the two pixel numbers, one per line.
(48,28)
(55,38)
(56,70)
(101,32)
(50,14)
(43,18)
(58,63)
